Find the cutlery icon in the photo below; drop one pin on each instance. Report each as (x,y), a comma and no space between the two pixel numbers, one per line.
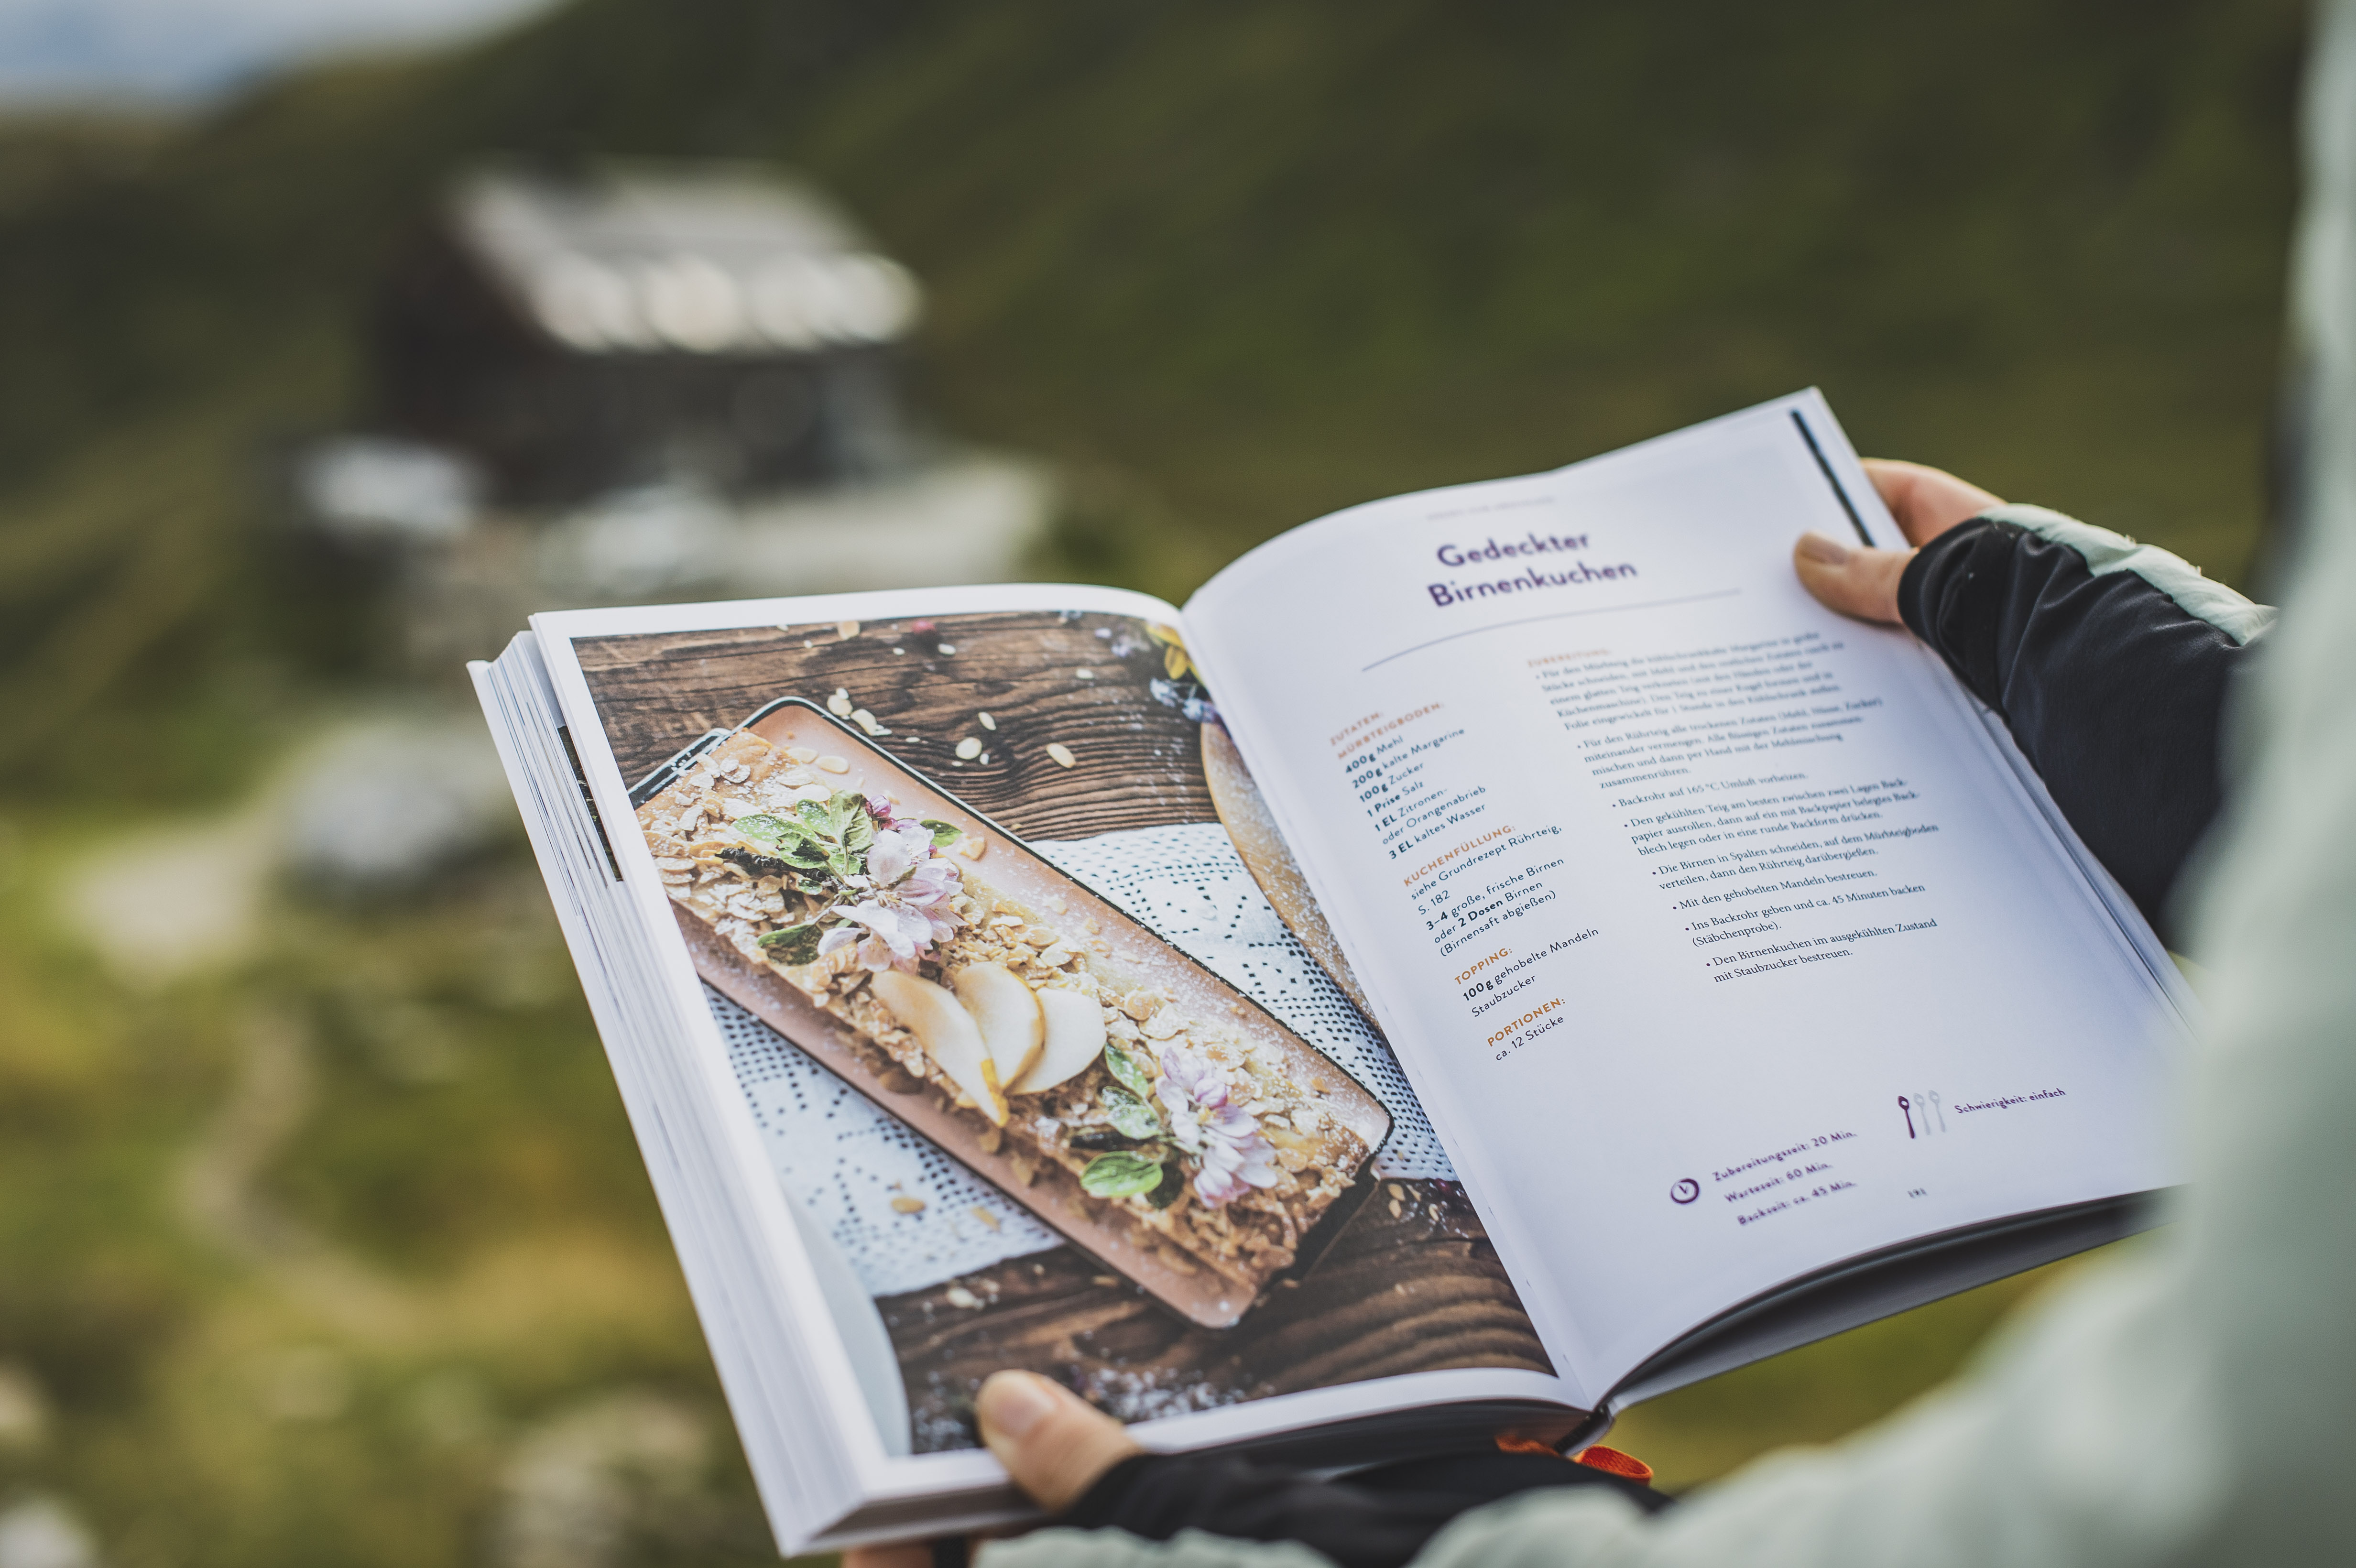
(1908,1107)
(1938,1109)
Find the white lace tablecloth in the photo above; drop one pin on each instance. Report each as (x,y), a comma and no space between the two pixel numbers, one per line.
(845,1161)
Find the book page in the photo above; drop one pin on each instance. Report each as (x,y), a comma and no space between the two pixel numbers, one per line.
(1186,1180)
(1717,938)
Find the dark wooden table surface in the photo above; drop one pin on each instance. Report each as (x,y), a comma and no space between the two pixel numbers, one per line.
(1136,762)
(1410,1284)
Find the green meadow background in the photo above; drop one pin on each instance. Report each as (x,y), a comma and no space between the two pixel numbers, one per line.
(337,1250)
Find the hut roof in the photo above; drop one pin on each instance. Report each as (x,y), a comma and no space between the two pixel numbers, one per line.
(704,260)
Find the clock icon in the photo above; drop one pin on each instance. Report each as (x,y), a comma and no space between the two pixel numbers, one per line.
(1685,1192)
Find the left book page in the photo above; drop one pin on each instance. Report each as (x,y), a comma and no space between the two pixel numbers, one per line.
(1032,1058)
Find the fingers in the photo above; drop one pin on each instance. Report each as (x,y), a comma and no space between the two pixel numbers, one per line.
(1862,584)
(1048,1438)
(1926,502)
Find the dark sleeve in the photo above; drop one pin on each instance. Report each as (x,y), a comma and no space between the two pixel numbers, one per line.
(1375,1519)
(2114,692)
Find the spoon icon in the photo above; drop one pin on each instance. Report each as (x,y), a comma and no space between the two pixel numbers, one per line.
(1938,1109)
(1908,1107)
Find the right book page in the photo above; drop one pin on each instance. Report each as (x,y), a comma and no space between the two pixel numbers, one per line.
(1717,934)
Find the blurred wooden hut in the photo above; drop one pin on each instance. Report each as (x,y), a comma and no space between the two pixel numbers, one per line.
(639,382)
(629,325)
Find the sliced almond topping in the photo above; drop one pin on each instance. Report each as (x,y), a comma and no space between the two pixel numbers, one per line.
(867,721)
(833,765)
(839,704)
(846,630)
(1061,753)
(801,753)
(905,1204)
(969,748)
(987,721)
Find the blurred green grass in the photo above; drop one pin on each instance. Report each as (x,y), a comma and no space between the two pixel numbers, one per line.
(1229,266)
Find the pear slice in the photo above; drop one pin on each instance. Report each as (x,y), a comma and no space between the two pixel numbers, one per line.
(948,1035)
(1076,1036)
(1008,1012)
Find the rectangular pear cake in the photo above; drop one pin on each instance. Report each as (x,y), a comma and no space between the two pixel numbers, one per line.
(1217,1149)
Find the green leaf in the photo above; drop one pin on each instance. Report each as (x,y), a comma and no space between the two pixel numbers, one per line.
(1120,1176)
(1130,1069)
(836,831)
(1174,1182)
(793,943)
(1130,1114)
(788,839)
(944,834)
(1102,1140)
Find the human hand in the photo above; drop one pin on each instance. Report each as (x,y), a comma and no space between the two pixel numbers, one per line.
(1049,1439)
(1863,584)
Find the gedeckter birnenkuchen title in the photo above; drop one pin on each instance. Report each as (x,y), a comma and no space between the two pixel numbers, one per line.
(1545,574)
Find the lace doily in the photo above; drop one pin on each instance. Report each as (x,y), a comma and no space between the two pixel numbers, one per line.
(909,1216)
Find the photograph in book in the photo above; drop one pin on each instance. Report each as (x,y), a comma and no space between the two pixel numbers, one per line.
(1049,1049)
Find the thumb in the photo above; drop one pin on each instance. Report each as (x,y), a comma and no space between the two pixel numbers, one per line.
(1859,583)
(1049,1439)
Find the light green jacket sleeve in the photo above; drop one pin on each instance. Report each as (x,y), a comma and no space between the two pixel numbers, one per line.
(2194,1402)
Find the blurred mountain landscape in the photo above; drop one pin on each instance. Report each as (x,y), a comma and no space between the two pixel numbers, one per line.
(329,1245)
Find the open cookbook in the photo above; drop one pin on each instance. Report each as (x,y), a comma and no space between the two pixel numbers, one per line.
(1495,955)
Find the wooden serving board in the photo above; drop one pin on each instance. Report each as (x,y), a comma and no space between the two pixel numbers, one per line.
(1190,1286)
(1244,813)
